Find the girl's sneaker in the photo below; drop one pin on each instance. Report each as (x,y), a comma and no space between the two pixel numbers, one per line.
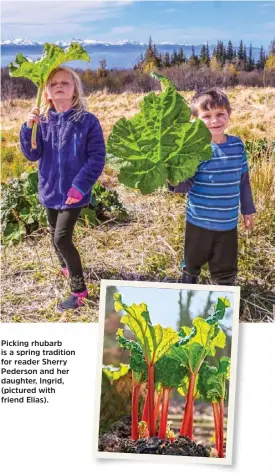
(64,272)
(74,301)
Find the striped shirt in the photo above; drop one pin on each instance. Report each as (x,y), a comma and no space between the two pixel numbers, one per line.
(214,197)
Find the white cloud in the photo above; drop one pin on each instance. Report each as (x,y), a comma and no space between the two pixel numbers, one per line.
(35,19)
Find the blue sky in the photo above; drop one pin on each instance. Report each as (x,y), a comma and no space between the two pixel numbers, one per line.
(163,303)
(180,21)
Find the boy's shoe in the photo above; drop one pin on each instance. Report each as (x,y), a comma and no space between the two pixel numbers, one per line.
(64,272)
(188,278)
(74,301)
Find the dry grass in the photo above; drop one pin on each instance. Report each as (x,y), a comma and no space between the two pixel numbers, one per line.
(150,245)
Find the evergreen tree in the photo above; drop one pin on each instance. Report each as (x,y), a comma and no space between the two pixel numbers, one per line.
(203,55)
(175,58)
(240,53)
(261,60)
(193,60)
(207,54)
(181,56)
(250,59)
(229,51)
(220,53)
(166,60)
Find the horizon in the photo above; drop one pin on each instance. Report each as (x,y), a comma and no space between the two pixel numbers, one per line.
(184,23)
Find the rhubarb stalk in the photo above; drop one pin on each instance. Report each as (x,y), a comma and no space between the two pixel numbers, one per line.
(151,390)
(135,399)
(164,413)
(188,411)
(217,425)
(221,403)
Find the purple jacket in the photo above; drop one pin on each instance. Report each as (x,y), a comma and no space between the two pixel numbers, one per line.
(70,153)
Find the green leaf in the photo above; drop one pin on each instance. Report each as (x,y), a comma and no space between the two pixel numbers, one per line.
(159,142)
(212,380)
(219,310)
(169,372)
(114,373)
(13,232)
(38,71)
(137,361)
(155,341)
(196,354)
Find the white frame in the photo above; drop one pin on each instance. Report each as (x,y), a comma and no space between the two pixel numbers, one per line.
(227,460)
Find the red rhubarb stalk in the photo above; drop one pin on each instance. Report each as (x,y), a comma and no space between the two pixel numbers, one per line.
(151,391)
(164,413)
(157,406)
(217,424)
(220,451)
(145,412)
(188,411)
(135,399)
(190,425)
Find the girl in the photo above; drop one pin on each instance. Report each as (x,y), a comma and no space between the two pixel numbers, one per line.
(71,154)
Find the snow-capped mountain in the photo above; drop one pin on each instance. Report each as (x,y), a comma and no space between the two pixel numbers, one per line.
(20,42)
(84,42)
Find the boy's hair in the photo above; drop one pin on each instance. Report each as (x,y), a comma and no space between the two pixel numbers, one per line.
(208,99)
(78,103)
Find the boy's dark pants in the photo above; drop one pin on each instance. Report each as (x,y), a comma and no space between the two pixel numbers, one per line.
(218,248)
(62,223)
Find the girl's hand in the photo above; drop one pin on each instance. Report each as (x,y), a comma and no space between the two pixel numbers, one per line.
(248,221)
(74,196)
(33,117)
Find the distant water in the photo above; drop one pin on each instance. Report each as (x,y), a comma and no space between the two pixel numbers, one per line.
(117,57)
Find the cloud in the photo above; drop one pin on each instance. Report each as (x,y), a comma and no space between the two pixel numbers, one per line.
(33,19)
(123,29)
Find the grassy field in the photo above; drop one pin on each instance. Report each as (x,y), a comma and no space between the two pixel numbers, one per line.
(149,245)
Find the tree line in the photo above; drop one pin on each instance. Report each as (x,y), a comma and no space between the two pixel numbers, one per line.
(223,57)
(225,67)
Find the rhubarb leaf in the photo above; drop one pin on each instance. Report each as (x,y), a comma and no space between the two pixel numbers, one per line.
(159,142)
(38,71)
(169,372)
(154,341)
(137,361)
(114,373)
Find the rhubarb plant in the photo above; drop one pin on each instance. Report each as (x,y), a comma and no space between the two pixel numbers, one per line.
(139,375)
(154,341)
(206,337)
(212,387)
(38,71)
(169,373)
(160,142)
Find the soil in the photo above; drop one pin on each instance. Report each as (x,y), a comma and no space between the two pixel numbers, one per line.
(119,440)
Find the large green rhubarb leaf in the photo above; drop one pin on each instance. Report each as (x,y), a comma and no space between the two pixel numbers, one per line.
(155,340)
(160,142)
(39,70)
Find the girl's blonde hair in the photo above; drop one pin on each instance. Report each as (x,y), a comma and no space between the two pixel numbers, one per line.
(78,103)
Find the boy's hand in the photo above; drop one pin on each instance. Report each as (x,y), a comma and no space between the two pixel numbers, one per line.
(248,221)
(33,116)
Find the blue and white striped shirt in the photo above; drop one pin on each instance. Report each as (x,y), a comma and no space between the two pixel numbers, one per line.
(214,197)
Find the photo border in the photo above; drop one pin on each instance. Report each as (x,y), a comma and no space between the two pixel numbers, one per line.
(232,384)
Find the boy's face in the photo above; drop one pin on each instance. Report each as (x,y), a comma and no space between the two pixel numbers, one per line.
(216,120)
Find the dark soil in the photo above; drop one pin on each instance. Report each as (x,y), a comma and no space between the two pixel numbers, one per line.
(118,440)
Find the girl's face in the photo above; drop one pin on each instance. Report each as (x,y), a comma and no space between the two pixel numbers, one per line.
(216,120)
(61,87)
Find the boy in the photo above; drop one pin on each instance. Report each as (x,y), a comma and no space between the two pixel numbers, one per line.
(214,194)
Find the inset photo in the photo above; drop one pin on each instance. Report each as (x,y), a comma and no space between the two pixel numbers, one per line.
(166,371)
